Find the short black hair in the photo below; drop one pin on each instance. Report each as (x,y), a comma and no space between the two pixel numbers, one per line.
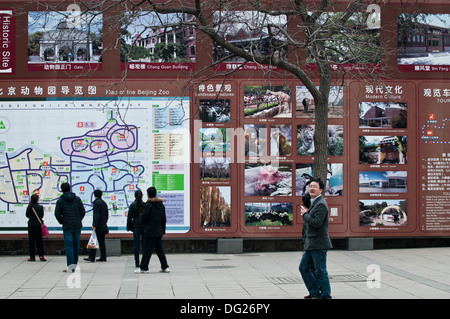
(98,193)
(319,181)
(151,192)
(65,187)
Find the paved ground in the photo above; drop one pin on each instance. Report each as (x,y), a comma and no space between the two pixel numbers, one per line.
(403,273)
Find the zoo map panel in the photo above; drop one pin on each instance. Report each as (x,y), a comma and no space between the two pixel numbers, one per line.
(116,145)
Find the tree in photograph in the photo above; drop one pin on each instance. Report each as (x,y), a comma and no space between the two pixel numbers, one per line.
(215,211)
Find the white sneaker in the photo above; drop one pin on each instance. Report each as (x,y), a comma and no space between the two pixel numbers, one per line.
(165,270)
(140,271)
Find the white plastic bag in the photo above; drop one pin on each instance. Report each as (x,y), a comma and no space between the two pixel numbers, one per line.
(93,242)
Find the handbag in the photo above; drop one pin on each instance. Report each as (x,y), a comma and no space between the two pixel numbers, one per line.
(93,241)
(44,228)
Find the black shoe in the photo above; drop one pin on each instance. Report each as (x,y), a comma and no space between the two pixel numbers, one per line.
(101,259)
(89,259)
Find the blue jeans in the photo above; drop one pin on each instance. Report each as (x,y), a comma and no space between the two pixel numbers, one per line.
(313,269)
(72,243)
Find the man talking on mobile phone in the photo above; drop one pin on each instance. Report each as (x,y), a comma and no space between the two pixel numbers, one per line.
(313,266)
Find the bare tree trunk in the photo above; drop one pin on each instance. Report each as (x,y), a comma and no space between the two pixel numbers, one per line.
(321,122)
(320,135)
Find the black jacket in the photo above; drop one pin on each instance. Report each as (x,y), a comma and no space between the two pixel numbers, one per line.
(69,211)
(134,220)
(32,220)
(154,218)
(100,216)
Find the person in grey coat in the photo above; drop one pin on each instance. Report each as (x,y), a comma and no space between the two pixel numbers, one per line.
(313,266)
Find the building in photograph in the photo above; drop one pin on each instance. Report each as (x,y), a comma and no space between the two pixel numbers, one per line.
(65,44)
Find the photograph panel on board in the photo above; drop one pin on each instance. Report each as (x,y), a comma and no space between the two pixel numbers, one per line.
(383,212)
(262,101)
(268,180)
(280,140)
(214,111)
(255,136)
(215,206)
(305,140)
(268,214)
(215,140)
(385,115)
(215,168)
(423,41)
(383,182)
(305,103)
(60,41)
(335,179)
(383,149)
(247,30)
(149,39)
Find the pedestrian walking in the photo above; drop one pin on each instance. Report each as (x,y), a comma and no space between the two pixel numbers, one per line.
(154,221)
(99,225)
(313,266)
(35,214)
(134,224)
(69,212)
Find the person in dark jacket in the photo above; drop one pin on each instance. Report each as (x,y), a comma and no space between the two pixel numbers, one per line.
(34,228)
(99,225)
(69,212)
(154,221)
(313,266)
(306,203)
(134,223)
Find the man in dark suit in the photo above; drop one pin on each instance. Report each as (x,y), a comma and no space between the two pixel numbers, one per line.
(313,266)
(99,225)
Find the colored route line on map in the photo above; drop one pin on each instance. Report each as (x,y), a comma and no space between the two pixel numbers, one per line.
(429,132)
(110,140)
(89,166)
(29,171)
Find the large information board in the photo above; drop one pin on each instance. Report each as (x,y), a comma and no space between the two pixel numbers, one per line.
(233,155)
(115,145)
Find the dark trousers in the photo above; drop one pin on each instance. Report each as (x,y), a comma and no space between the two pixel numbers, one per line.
(138,238)
(35,240)
(101,245)
(149,244)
